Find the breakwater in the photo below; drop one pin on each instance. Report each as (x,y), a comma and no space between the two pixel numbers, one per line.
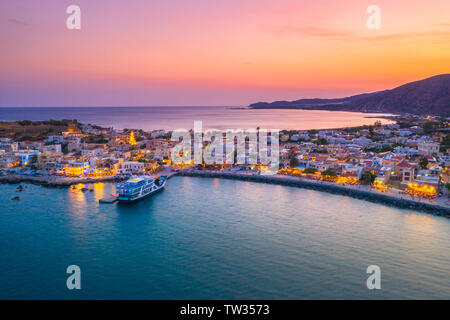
(55,182)
(327,187)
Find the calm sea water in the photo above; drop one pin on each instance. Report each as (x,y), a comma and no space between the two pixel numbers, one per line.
(221,239)
(169,118)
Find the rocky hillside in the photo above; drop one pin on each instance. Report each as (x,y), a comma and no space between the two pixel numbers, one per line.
(428,96)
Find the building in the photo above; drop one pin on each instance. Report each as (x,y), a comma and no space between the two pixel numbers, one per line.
(430,177)
(76,168)
(428,148)
(52,148)
(55,139)
(405,171)
(130,167)
(25,157)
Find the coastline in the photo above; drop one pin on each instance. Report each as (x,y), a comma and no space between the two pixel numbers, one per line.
(54,182)
(354,192)
(357,192)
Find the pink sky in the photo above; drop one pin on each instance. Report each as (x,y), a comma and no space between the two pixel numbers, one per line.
(221,52)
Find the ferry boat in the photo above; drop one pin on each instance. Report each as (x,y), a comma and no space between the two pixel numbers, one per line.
(138,188)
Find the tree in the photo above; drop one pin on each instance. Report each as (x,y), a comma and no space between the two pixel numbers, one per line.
(445,144)
(65,147)
(367,178)
(321,141)
(447,185)
(293,160)
(109,163)
(329,172)
(310,170)
(423,163)
(386,148)
(428,127)
(25,123)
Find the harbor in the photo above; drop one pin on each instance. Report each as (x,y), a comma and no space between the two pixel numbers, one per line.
(172,244)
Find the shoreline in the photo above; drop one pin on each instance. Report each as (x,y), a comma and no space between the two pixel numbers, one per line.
(360,192)
(328,187)
(54,182)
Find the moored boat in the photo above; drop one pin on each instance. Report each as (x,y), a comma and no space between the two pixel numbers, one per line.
(140,187)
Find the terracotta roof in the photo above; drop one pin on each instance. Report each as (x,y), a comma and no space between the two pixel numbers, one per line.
(404,164)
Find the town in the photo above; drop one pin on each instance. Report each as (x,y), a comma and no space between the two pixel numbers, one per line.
(409,156)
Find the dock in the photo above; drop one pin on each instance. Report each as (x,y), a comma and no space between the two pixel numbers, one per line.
(108,199)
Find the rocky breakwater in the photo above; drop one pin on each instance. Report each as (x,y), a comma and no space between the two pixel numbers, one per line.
(53,181)
(350,191)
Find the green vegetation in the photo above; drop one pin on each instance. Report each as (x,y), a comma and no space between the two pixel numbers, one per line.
(65,147)
(367,178)
(423,163)
(62,123)
(329,172)
(95,139)
(322,151)
(430,126)
(321,141)
(310,170)
(445,144)
(293,160)
(384,148)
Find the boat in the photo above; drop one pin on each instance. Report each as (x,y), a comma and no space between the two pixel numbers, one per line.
(138,188)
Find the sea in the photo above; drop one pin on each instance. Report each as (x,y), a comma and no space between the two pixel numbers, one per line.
(207,238)
(171,118)
(214,239)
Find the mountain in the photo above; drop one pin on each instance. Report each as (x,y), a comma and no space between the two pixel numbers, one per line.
(430,96)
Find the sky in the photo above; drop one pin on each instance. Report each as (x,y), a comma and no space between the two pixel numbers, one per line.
(214,52)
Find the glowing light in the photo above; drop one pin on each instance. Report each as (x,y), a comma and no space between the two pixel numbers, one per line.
(379,185)
(132,140)
(421,190)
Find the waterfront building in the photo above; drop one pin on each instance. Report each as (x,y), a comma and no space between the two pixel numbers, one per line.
(405,171)
(25,157)
(131,167)
(76,168)
(430,177)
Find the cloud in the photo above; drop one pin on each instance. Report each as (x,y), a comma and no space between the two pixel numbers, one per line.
(351,36)
(18,22)
(313,32)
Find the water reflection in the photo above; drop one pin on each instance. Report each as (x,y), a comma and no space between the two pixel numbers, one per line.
(77,199)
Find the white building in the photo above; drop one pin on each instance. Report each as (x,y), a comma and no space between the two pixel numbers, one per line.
(428,148)
(131,167)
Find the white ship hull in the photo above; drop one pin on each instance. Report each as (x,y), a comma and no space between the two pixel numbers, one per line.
(145,191)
